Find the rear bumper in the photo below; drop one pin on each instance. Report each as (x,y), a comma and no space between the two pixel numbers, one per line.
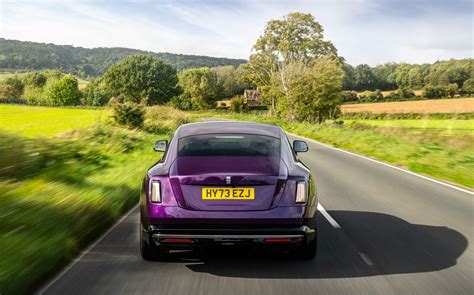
(173,215)
(182,236)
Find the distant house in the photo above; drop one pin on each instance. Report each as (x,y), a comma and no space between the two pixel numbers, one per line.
(251,98)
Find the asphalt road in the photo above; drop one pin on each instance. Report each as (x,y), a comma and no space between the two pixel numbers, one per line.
(388,232)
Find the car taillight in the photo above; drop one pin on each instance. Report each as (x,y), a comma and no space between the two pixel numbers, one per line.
(155,191)
(301,192)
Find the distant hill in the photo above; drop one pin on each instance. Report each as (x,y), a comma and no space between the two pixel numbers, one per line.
(84,62)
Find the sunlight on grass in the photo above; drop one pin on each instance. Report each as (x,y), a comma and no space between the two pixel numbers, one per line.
(43,121)
(438,148)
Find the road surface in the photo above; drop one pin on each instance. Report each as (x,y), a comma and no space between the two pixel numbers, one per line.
(381,231)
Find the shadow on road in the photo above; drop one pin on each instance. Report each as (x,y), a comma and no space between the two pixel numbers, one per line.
(391,246)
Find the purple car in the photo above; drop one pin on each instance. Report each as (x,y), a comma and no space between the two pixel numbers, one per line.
(228,183)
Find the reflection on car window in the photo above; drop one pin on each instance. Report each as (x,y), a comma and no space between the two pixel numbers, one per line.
(231,145)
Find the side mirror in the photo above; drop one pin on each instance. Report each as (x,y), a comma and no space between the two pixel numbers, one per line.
(160,146)
(300,146)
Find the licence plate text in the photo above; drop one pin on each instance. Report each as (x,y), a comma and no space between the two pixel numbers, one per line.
(228,193)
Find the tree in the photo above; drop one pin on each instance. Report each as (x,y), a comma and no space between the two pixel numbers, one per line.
(96,93)
(200,88)
(452,89)
(12,87)
(142,79)
(382,76)
(434,91)
(64,92)
(348,83)
(293,41)
(415,79)
(468,86)
(313,92)
(364,78)
(35,79)
(229,81)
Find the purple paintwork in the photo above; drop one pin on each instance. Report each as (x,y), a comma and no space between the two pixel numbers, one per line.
(273,178)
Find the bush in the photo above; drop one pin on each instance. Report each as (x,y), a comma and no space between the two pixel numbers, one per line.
(129,114)
(401,94)
(371,96)
(64,92)
(440,91)
(181,102)
(36,79)
(238,104)
(12,87)
(349,96)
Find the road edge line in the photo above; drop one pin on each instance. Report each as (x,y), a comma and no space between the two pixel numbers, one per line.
(386,164)
(327,216)
(84,253)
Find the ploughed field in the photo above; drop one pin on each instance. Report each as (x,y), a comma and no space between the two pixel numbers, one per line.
(432,106)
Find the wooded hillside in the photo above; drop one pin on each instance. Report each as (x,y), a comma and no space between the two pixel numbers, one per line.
(87,63)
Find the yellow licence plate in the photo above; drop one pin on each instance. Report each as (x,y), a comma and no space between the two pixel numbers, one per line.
(228,193)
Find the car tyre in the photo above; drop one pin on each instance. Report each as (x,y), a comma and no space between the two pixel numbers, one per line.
(308,250)
(148,250)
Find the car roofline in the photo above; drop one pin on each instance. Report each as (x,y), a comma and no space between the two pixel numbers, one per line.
(276,134)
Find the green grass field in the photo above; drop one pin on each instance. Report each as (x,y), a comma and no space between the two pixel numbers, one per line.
(438,148)
(63,180)
(34,121)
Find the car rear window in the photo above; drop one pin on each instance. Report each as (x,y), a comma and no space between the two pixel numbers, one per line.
(231,145)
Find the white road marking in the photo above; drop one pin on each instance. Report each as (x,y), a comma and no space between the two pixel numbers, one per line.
(327,216)
(366,259)
(336,225)
(388,165)
(70,265)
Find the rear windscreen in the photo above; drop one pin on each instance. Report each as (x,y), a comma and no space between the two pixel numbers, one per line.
(232,145)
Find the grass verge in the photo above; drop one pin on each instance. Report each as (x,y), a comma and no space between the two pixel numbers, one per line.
(438,151)
(58,194)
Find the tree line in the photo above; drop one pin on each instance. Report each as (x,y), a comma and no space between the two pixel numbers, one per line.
(89,63)
(139,79)
(299,74)
(391,76)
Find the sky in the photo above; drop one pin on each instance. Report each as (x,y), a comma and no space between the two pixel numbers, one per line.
(363,31)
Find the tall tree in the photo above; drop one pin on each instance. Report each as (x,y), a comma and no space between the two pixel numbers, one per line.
(364,78)
(228,80)
(200,88)
(312,91)
(143,79)
(295,39)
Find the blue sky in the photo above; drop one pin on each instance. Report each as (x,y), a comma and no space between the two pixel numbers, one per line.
(363,31)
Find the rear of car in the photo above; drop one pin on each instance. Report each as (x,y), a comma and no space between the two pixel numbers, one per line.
(227,183)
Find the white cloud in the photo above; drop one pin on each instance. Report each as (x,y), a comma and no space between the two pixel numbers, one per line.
(364,31)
